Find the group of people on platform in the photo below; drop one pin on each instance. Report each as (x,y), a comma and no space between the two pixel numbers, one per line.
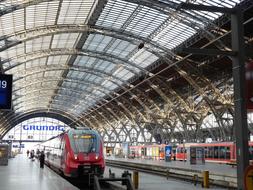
(39,154)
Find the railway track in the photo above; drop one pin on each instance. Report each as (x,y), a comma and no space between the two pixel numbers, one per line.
(195,176)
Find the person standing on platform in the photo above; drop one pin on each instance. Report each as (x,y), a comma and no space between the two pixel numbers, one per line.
(27,152)
(42,159)
(32,154)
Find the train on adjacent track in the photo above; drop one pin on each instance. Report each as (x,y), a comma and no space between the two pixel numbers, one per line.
(75,153)
(219,152)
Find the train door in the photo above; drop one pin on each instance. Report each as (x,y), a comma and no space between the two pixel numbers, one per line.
(149,152)
(142,152)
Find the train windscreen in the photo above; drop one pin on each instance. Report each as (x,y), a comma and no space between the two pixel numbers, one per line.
(85,143)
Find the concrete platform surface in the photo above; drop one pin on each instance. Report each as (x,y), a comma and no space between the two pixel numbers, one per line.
(153,182)
(222,169)
(24,174)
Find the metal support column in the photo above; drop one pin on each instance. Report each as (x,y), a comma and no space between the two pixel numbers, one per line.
(238,58)
(240,119)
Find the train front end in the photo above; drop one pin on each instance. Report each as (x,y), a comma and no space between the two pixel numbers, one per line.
(85,153)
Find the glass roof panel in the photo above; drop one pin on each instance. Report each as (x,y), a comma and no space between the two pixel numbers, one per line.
(96,42)
(75,12)
(120,48)
(12,22)
(116,13)
(41,14)
(38,44)
(174,34)
(145,21)
(36,63)
(123,74)
(53,73)
(67,40)
(58,60)
(143,58)
(85,61)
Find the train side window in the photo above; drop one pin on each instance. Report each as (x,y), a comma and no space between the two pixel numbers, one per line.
(210,152)
(222,152)
(216,152)
(227,152)
(206,151)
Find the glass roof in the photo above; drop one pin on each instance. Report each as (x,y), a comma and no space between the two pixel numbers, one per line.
(60,63)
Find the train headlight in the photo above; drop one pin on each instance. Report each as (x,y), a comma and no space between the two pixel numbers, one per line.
(75,156)
(97,156)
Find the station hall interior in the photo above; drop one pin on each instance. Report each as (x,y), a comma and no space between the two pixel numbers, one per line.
(166,83)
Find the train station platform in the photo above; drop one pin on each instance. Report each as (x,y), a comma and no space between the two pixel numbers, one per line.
(219,174)
(154,182)
(22,174)
(222,169)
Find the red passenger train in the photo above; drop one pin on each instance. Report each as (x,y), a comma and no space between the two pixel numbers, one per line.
(219,152)
(76,152)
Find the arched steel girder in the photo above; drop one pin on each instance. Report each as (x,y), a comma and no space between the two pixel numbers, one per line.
(67,89)
(37,32)
(33,100)
(115,116)
(71,80)
(173,93)
(142,104)
(198,89)
(178,98)
(107,121)
(167,100)
(208,84)
(4,121)
(108,109)
(84,52)
(97,86)
(56,114)
(148,99)
(41,96)
(91,70)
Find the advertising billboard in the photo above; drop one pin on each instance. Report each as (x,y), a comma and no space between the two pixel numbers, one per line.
(168,153)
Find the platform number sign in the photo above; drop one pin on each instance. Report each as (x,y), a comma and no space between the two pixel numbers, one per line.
(5,91)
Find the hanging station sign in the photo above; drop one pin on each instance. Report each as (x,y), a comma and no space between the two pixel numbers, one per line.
(5,91)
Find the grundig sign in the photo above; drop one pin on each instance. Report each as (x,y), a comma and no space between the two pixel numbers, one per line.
(43,128)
